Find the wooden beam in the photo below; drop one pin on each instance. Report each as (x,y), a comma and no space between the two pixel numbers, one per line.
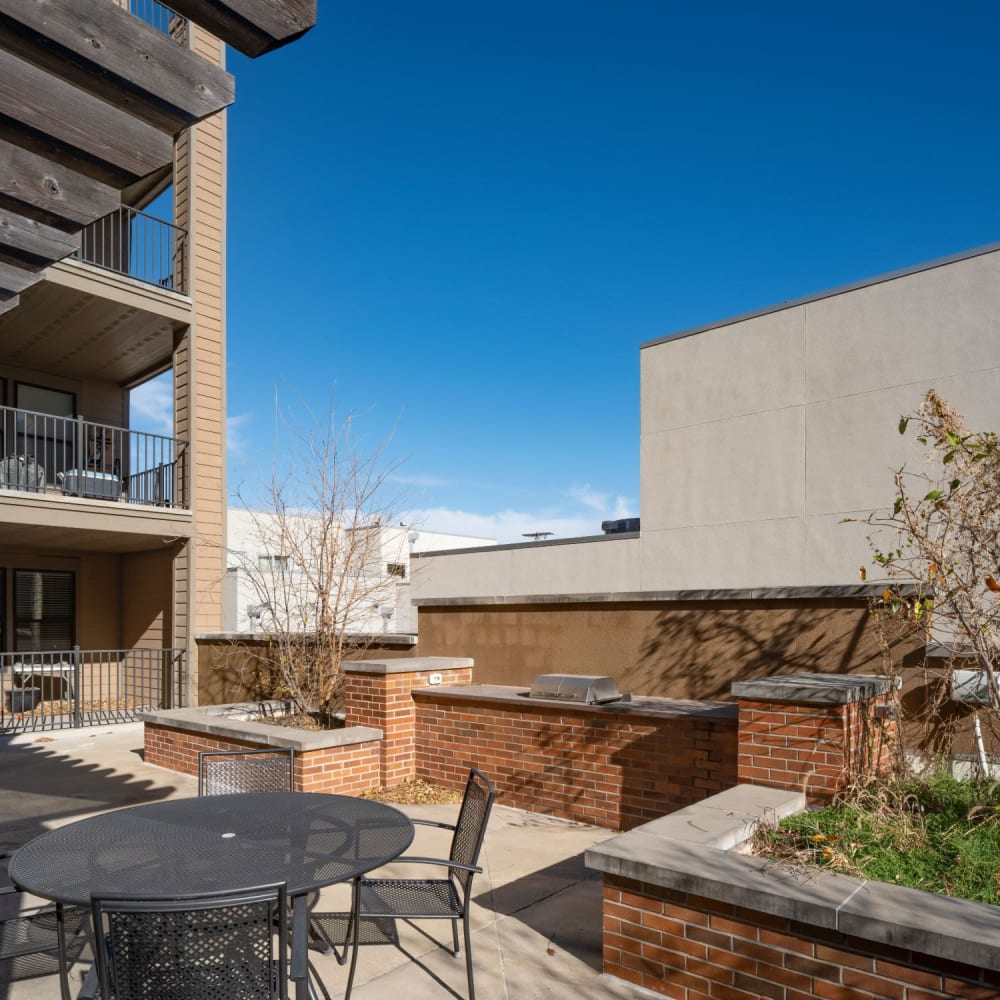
(51,192)
(251,26)
(102,49)
(30,244)
(15,279)
(90,134)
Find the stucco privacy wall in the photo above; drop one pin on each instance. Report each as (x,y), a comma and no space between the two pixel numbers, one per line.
(759,435)
(668,647)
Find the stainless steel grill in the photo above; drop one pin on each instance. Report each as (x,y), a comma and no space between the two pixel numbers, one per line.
(585,689)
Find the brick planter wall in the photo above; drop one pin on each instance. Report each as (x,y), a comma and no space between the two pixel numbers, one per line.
(377,693)
(815,733)
(346,769)
(611,765)
(692,948)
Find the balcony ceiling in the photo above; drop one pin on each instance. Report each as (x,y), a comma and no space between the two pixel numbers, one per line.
(92,99)
(120,335)
(67,524)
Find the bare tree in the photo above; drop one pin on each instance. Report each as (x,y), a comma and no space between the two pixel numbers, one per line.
(318,554)
(939,550)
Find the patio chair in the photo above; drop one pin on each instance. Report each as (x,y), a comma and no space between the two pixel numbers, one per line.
(37,940)
(432,899)
(225,772)
(233,944)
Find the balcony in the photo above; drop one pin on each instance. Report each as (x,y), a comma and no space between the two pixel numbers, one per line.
(137,245)
(74,457)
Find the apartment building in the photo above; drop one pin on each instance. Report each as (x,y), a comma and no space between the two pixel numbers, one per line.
(271,558)
(112,272)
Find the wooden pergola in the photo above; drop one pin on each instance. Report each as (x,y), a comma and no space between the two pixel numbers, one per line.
(91,99)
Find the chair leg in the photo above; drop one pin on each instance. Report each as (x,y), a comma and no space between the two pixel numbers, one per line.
(355,923)
(454,938)
(468,954)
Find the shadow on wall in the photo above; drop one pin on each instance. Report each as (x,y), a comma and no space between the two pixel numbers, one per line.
(698,650)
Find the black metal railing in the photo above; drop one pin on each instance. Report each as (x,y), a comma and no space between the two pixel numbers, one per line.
(141,246)
(160,17)
(63,689)
(76,457)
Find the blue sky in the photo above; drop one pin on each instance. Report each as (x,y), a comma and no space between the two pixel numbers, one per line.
(461,221)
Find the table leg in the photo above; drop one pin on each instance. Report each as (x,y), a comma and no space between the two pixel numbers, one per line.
(300,947)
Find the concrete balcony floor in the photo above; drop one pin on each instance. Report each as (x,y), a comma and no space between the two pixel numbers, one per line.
(537,911)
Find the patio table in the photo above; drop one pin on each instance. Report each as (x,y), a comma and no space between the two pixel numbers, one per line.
(217,843)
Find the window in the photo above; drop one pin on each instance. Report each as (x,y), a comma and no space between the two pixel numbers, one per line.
(396,569)
(273,564)
(44,602)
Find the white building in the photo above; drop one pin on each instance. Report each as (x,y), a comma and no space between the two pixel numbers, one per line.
(260,564)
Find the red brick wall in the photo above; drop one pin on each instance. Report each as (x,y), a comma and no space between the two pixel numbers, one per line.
(383,701)
(691,948)
(614,770)
(345,770)
(814,749)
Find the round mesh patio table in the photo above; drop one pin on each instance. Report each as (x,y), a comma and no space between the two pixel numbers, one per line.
(212,844)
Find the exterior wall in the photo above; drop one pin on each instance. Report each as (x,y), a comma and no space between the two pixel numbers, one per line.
(146,600)
(199,370)
(232,665)
(670,648)
(689,947)
(760,435)
(594,765)
(98,589)
(600,565)
(341,770)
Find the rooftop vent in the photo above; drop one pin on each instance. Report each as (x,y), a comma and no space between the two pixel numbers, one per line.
(620,526)
(585,689)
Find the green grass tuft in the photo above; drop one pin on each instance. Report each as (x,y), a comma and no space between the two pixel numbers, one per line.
(936,834)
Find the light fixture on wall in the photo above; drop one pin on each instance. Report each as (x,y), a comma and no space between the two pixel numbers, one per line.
(386,610)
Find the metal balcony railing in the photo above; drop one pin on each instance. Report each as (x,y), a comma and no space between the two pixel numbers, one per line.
(138,245)
(76,457)
(62,689)
(160,17)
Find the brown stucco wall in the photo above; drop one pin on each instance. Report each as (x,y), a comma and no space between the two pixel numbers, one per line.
(230,667)
(672,649)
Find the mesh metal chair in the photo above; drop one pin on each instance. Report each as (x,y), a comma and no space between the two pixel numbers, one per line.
(38,940)
(433,899)
(225,772)
(231,946)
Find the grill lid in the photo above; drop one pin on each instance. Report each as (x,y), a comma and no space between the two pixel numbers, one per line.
(586,689)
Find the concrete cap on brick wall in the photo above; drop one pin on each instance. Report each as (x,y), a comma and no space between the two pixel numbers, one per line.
(411,665)
(813,689)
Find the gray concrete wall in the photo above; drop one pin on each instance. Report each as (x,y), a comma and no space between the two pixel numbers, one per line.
(760,436)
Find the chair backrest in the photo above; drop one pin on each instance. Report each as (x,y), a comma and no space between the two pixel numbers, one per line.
(225,772)
(470,828)
(195,947)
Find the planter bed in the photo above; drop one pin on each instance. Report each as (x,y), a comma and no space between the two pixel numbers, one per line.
(684,908)
(345,761)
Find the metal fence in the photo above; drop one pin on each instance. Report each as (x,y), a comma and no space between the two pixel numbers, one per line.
(81,458)
(87,687)
(160,17)
(138,245)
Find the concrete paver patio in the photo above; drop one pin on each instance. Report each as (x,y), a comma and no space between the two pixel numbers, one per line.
(537,913)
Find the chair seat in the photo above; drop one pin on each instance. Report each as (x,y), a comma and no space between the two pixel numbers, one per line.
(413,898)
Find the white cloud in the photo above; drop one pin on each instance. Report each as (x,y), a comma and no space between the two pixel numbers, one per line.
(237,444)
(151,406)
